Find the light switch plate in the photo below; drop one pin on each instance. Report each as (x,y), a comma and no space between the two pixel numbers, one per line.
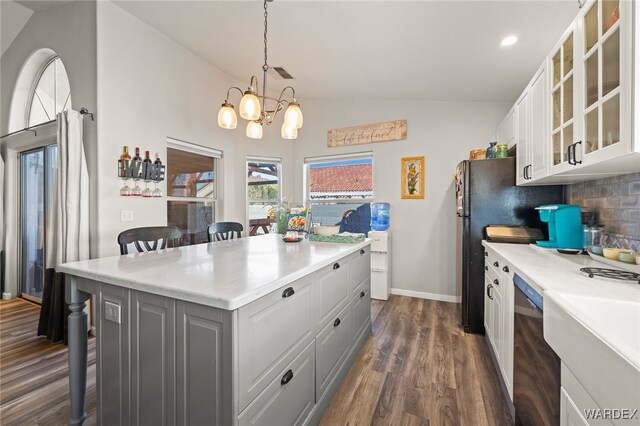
(112,312)
(126,215)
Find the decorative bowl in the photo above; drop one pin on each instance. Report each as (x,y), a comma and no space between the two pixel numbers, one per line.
(627,257)
(612,253)
(326,230)
(596,250)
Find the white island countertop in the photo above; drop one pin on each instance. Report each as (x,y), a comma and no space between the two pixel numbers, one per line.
(225,274)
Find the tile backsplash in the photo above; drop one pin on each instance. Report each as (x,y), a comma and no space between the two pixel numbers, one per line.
(616,201)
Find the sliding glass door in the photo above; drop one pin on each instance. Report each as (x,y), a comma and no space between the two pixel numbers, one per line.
(37,182)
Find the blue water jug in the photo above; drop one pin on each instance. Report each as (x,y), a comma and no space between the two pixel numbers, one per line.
(380,216)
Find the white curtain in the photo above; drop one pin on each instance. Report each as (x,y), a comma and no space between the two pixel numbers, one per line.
(70,221)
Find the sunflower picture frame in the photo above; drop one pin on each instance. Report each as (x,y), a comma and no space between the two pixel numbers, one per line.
(412,171)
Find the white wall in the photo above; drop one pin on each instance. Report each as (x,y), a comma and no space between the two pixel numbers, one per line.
(149,87)
(423,231)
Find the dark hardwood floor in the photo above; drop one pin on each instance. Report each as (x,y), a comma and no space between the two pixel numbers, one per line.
(34,385)
(418,368)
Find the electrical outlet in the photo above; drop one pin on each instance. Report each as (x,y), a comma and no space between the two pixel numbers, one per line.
(112,312)
(126,215)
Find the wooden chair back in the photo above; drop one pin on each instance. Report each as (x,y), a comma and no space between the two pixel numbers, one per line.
(222,231)
(148,238)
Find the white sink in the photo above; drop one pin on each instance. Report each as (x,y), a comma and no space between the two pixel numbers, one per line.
(599,341)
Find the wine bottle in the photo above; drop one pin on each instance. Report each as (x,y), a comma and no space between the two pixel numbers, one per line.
(137,156)
(147,159)
(125,153)
(157,162)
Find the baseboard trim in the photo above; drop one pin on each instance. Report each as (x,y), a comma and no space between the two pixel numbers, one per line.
(426,295)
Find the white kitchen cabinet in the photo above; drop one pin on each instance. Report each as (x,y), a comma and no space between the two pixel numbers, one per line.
(574,120)
(569,414)
(576,402)
(498,315)
(506,133)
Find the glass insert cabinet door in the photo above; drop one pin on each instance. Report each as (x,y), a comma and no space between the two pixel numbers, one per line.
(563,87)
(602,25)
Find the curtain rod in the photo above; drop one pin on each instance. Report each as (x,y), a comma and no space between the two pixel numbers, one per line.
(84,111)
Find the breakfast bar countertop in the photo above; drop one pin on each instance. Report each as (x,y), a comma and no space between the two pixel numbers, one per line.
(225,274)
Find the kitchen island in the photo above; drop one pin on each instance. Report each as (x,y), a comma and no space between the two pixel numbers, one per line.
(251,331)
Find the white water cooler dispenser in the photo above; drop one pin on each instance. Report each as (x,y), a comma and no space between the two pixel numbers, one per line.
(380,264)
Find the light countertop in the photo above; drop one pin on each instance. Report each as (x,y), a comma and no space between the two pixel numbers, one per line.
(558,277)
(225,274)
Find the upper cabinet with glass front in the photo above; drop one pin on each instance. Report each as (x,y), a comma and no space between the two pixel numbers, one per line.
(605,104)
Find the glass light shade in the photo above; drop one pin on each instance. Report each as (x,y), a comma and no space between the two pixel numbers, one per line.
(288,132)
(293,115)
(227,118)
(250,106)
(254,130)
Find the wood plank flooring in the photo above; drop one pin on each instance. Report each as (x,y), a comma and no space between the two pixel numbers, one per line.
(34,385)
(419,368)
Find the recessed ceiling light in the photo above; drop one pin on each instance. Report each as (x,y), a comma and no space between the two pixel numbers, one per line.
(508,41)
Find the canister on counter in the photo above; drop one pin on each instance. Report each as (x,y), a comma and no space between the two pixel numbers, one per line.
(481,154)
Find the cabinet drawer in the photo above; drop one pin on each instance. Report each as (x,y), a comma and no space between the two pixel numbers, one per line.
(360,266)
(272,331)
(332,345)
(379,241)
(380,261)
(496,279)
(492,260)
(289,398)
(333,290)
(360,309)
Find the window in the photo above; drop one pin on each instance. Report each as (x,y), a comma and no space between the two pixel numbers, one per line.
(263,193)
(191,189)
(51,93)
(339,190)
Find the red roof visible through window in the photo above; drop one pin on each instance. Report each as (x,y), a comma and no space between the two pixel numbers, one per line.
(352,178)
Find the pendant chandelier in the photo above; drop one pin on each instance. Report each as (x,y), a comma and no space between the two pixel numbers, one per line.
(261,109)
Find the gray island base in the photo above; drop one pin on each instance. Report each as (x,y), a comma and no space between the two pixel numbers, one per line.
(247,332)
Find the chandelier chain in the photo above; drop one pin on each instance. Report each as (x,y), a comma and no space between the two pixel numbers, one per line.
(265,67)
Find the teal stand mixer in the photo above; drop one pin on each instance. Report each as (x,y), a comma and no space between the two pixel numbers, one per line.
(565,226)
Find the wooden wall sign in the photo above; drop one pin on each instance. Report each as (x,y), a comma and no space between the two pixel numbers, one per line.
(369,133)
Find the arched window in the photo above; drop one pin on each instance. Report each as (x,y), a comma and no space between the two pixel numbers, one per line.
(41,91)
(51,93)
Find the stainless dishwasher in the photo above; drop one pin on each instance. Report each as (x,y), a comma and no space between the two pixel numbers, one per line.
(536,367)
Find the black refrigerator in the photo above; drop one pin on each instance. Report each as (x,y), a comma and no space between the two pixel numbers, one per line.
(486,194)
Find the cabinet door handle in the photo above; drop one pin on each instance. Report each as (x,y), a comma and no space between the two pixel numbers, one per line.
(529,173)
(486,253)
(288,292)
(336,265)
(286,378)
(575,160)
(336,322)
(361,251)
(486,268)
(362,294)
(489,287)
(496,282)
(524,172)
(496,264)
(506,269)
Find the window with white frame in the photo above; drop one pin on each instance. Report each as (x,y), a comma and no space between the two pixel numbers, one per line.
(263,193)
(339,186)
(191,177)
(51,93)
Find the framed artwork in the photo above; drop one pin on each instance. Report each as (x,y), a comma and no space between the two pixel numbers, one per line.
(412,177)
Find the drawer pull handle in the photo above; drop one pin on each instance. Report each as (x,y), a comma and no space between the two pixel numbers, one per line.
(287,377)
(336,322)
(496,282)
(486,268)
(495,264)
(486,254)
(361,251)
(506,269)
(336,265)
(489,287)
(288,292)
(362,294)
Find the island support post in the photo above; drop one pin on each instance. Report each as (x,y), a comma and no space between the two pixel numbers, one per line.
(78,343)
